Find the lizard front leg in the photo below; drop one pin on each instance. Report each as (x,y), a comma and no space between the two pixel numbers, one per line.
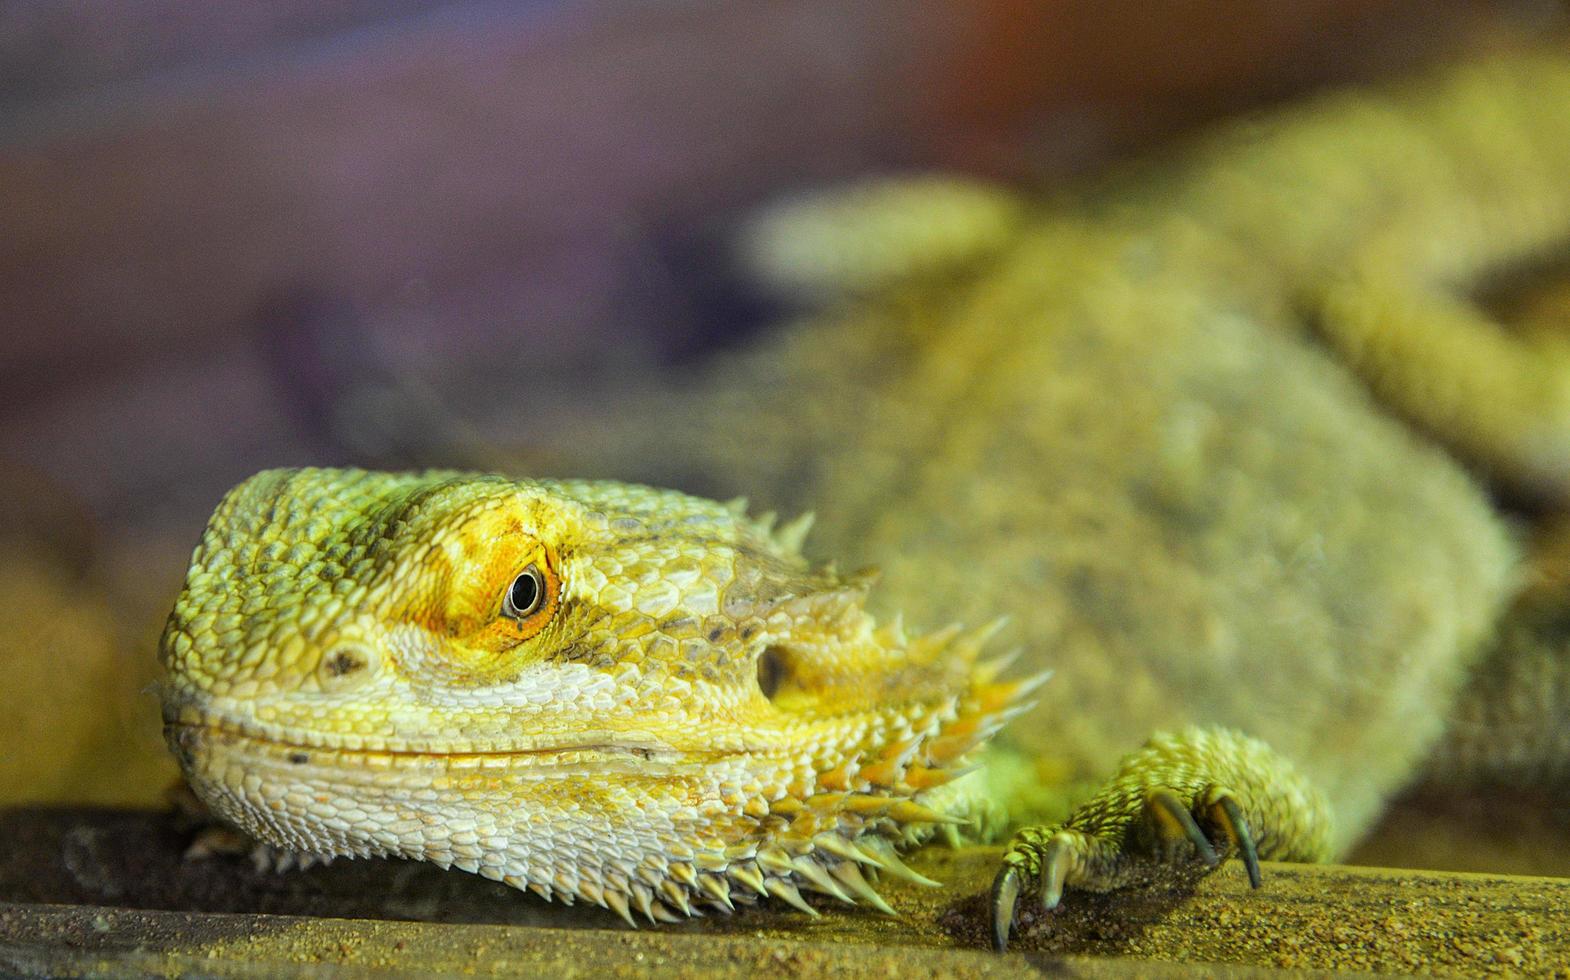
(1197,795)
(860,239)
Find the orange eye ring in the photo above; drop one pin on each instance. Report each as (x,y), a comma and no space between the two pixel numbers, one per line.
(530,598)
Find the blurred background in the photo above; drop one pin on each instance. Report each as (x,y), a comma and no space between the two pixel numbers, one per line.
(238,235)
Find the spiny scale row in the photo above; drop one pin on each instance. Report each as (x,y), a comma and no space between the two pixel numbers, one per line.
(831,862)
(825,841)
(788,537)
(833,868)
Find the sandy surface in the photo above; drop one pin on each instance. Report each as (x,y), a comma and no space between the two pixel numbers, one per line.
(225,918)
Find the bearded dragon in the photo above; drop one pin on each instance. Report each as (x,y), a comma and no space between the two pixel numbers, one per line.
(1120,424)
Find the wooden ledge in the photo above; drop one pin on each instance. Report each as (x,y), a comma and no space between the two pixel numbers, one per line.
(90,891)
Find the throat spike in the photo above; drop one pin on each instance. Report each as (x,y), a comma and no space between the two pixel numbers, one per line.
(909,811)
(617,902)
(749,876)
(787,893)
(841,848)
(717,890)
(659,913)
(892,863)
(851,877)
(675,895)
(813,874)
(775,861)
(643,900)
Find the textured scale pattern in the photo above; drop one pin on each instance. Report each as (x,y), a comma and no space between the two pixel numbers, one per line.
(341,680)
(1292,818)
(1200,433)
(1216,433)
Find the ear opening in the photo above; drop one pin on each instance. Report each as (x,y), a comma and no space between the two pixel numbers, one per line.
(772,670)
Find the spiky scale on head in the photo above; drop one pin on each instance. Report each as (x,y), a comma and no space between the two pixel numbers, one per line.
(588,690)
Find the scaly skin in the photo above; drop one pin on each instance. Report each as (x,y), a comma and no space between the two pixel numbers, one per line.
(1129,425)
(692,715)
(1214,433)
(343,679)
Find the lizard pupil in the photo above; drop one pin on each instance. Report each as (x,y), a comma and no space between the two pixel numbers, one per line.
(526,594)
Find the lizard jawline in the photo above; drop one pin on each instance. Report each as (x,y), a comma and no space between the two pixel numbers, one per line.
(187,737)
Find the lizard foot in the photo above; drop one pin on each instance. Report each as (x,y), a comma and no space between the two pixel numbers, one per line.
(1193,798)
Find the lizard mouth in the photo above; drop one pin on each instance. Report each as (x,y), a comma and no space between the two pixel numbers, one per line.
(190,733)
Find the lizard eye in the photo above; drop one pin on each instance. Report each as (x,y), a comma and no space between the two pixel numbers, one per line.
(526,594)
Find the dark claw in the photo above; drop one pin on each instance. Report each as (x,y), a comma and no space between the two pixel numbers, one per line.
(1162,831)
(1169,815)
(1005,892)
(1053,871)
(1055,858)
(1229,817)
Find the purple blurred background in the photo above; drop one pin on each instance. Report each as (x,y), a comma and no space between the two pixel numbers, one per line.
(231,231)
(201,202)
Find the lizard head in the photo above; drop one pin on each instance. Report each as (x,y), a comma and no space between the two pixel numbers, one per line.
(591,690)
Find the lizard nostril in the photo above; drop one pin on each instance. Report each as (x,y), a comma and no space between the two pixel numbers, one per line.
(345,666)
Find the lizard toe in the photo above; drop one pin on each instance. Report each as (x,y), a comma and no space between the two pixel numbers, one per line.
(1188,800)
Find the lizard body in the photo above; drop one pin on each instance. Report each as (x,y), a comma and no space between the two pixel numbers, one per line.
(1186,433)
(1197,431)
